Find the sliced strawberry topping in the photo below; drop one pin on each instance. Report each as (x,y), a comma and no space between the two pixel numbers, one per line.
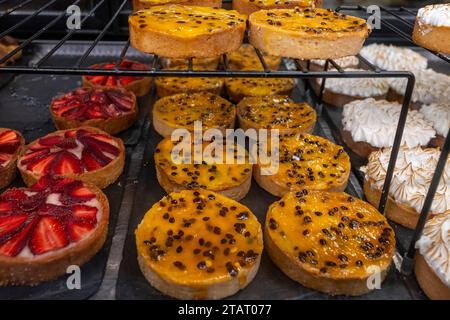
(8,136)
(72,152)
(9,144)
(116,81)
(93,103)
(49,216)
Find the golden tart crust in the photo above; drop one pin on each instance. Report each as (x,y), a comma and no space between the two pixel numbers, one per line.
(146,4)
(238,88)
(329,241)
(249,6)
(197,244)
(306,161)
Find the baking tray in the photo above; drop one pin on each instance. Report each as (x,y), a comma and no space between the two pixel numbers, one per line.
(270,283)
(24,101)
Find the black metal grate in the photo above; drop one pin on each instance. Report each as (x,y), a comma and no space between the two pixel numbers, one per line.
(302,72)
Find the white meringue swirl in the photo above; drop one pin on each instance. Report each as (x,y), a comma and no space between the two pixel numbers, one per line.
(439,115)
(437,15)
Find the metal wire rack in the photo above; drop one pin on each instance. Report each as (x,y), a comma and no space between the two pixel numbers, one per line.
(79,68)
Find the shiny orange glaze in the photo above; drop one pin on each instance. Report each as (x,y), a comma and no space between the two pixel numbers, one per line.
(198,238)
(330,234)
(245,58)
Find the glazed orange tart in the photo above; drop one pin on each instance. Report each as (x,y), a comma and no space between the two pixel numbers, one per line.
(182,110)
(167,86)
(229,179)
(146,4)
(177,31)
(246,58)
(110,109)
(197,244)
(305,162)
(140,86)
(276,112)
(432,28)
(88,154)
(44,229)
(307,33)
(11,143)
(238,88)
(330,242)
(249,6)
(432,266)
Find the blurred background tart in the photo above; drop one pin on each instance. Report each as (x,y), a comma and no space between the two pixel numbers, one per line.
(11,143)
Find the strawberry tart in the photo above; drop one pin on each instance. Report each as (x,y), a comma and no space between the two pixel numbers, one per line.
(110,109)
(87,154)
(412,176)
(11,143)
(55,223)
(439,115)
(370,124)
(140,86)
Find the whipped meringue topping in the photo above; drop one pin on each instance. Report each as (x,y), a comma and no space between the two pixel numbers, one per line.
(375,122)
(439,115)
(393,58)
(430,86)
(345,62)
(434,246)
(357,87)
(436,15)
(413,172)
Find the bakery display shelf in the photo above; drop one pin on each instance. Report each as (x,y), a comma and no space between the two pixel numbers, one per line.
(24,107)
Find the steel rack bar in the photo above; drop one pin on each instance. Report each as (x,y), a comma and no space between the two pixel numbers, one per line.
(367,63)
(190,64)
(36,35)
(225,61)
(16,7)
(3,1)
(155,63)
(262,60)
(101,35)
(322,84)
(122,55)
(399,17)
(335,65)
(407,265)
(67,36)
(298,65)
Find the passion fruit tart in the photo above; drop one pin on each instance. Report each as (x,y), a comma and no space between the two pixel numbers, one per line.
(182,110)
(167,86)
(246,58)
(86,153)
(197,244)
(44,229)
(197,63)
(11,144)
(229,179)
(110,109)
(140,86)
(276,112)
(306,162)
(177,31)
(330,242)
(238,88)
(304,33)
(249,6)
(146,4)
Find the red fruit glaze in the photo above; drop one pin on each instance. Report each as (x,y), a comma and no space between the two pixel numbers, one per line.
(84,104)
(27,219)
(116,81)
(73,152)
(9,144)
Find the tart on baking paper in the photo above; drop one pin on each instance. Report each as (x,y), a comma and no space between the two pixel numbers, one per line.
(432,28)
(177,31)
(338,92)
(140,86)
(167,86)
(439,115)
(55,223)
(86,153)
(182,110)
(11,143)
(110,109)
(330,242)
(432,266)
(370,124)
(411,179)
(197,244)
(239,88)
(393,58)
(306,162)
(307,33)
(430,87)
(276,112)
(146,4)
(229,179)
(246,58)
(249,6)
